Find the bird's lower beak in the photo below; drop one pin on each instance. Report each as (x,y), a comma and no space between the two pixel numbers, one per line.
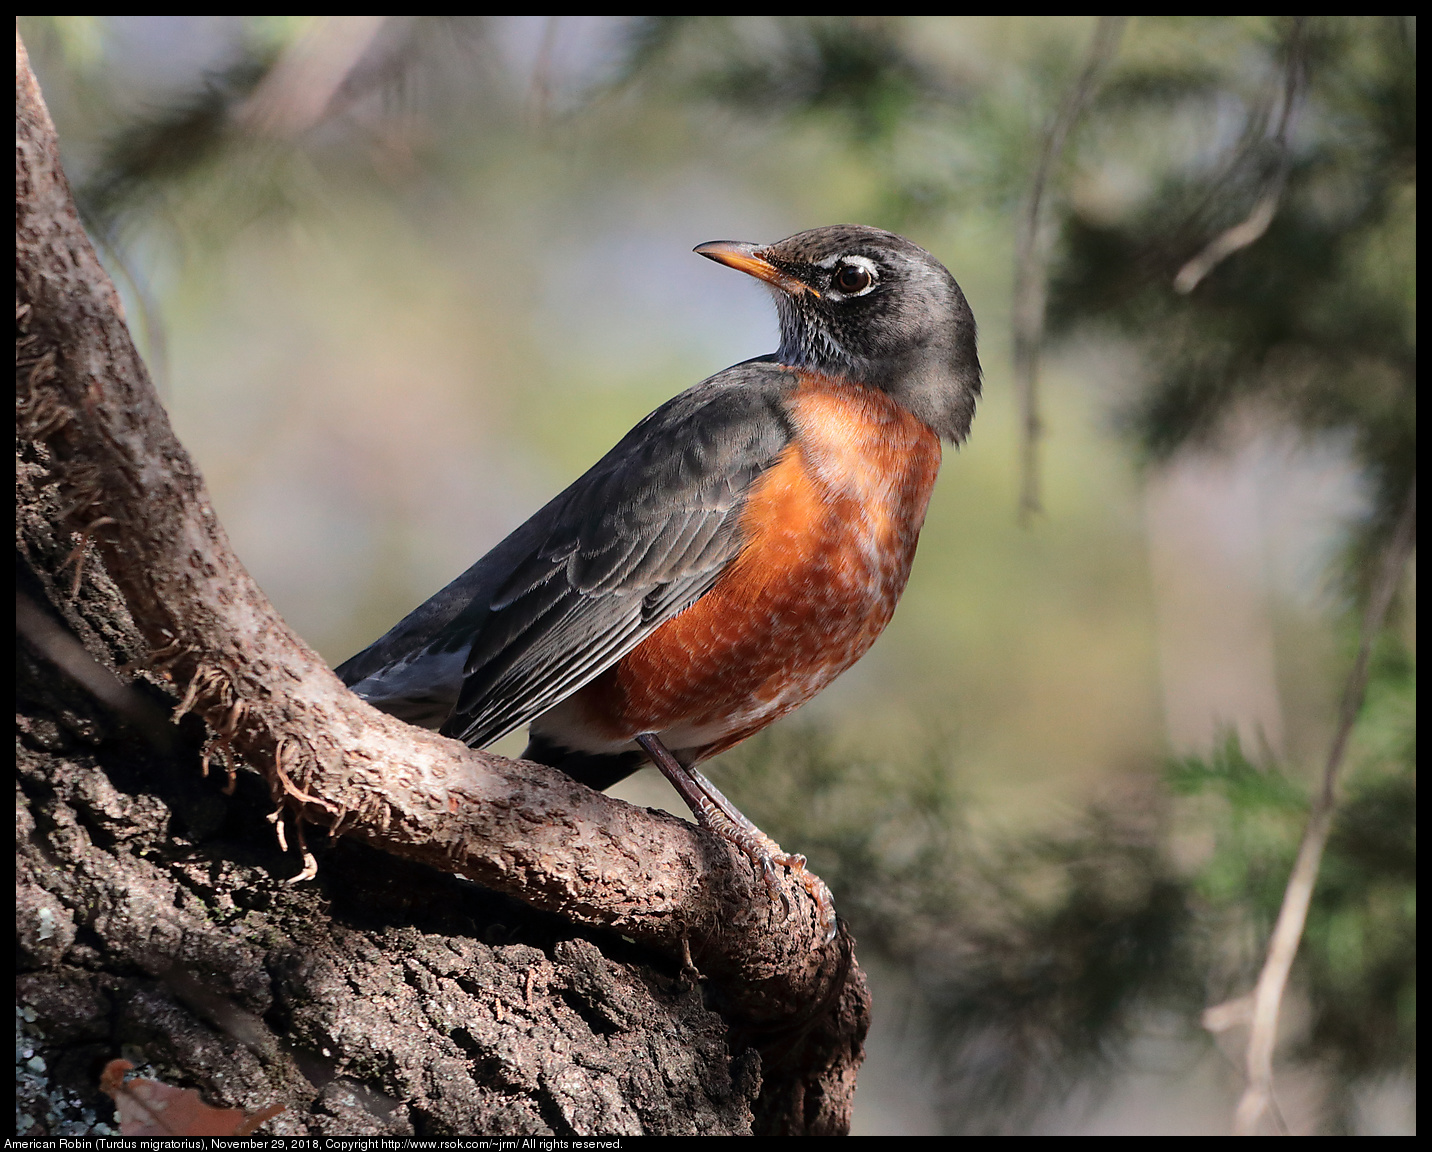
(747,258)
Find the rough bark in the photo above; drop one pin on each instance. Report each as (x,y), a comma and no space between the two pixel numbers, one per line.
(155,912)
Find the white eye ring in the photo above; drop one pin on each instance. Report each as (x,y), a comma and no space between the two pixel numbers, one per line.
(863,262)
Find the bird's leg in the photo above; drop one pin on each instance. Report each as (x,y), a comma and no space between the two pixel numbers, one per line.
(770,854)
(717,814)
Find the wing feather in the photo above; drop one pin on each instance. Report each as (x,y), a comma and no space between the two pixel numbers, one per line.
(640,537)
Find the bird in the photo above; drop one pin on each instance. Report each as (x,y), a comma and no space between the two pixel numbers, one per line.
(736,551)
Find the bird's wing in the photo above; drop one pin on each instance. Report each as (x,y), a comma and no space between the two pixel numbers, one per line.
(637,539)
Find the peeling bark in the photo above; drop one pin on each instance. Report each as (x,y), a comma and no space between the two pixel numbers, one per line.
(154,910)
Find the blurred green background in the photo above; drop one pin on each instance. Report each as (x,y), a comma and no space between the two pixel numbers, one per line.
(401,279)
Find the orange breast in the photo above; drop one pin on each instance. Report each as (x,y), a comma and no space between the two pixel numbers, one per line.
(830,533)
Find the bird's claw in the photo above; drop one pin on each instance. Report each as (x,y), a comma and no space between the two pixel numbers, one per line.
(717,814)
(773,885)
(824,902)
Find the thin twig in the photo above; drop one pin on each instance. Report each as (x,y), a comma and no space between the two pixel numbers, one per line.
(1234,239)
(1228,242)
(1029,271)
(1288,931)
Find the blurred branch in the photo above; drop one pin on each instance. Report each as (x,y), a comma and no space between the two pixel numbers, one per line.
(261,96)
(1267,995)
(1243,234)
(266,98)
(1226,243)
(53,641)
(297,92)
(1233,1013)
(1031,259)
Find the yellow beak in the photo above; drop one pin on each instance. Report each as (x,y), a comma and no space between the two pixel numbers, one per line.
(747,258)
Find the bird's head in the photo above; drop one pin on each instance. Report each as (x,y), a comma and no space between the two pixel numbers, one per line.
(872,307)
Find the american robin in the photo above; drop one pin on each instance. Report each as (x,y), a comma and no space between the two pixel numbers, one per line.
(739,548)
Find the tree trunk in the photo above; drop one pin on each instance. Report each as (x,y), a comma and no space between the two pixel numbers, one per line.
(450,942)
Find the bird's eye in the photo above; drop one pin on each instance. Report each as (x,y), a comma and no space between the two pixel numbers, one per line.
(852,278)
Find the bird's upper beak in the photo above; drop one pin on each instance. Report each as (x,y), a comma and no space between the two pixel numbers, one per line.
(747,258)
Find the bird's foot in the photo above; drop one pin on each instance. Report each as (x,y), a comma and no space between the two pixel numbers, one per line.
(727,821)
(824,902)
(717,814)
(768,856)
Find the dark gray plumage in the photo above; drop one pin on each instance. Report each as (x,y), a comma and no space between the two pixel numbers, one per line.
(636,539)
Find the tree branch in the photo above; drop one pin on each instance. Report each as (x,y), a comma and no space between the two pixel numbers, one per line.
(1251,229)
(1262,1007)
(1029,268)
(330,760)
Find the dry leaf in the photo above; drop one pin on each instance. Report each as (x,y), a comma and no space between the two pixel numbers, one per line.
(149,1108)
